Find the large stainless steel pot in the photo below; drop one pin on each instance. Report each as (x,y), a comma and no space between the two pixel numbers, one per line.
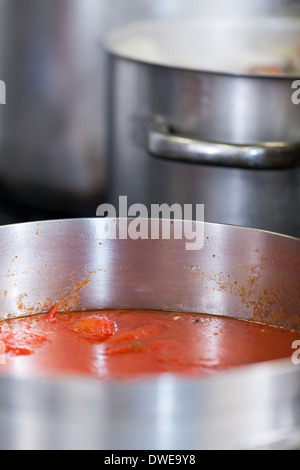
(189,124)
(239,272)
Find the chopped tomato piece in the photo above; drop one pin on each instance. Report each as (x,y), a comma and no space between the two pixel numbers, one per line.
(138,333)
(52,314)
(94,326)
(122,337)
(127,348)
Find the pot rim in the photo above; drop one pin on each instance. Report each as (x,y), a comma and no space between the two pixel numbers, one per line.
(112,39)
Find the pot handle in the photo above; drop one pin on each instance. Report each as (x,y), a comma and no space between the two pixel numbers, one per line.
(163,144)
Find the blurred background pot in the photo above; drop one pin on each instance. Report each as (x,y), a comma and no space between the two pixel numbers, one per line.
(190,125)
(53,128)
(51,132)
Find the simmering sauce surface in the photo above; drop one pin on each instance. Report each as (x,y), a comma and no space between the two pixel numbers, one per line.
(120,344)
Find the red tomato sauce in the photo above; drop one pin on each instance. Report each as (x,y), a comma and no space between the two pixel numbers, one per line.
(122,344)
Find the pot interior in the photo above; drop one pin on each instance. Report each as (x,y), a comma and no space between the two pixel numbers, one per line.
(239,272)
(217,45)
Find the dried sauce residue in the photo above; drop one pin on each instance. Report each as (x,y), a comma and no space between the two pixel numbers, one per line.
(69,301)
(277,303)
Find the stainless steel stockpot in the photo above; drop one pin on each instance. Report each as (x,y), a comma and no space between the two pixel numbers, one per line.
(53,127)
(190,124)
(239,272)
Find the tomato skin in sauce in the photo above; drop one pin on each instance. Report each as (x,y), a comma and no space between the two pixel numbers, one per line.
(123,344)
(94,326)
